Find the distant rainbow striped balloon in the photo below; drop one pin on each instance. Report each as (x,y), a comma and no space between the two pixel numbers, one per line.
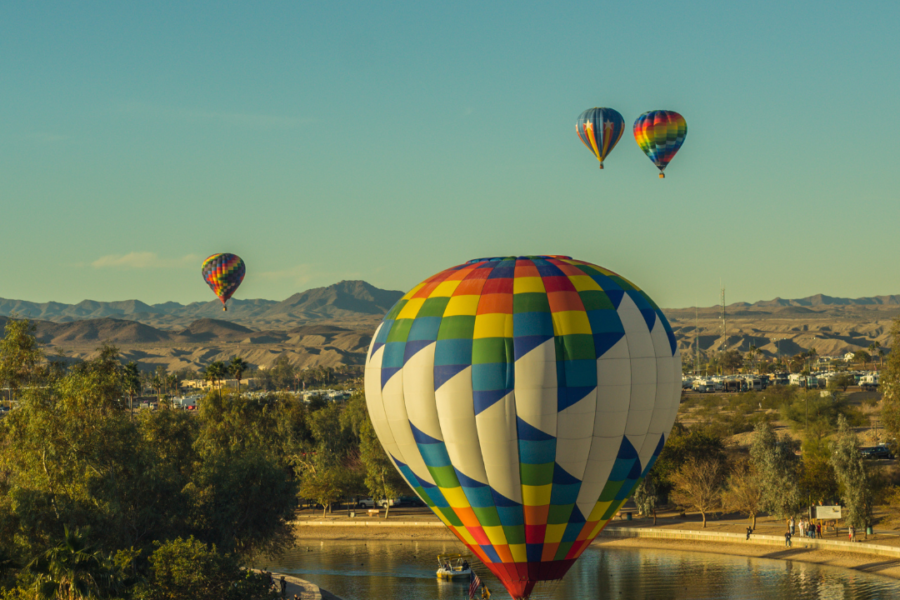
(660,133)
(600,129)
(523,398)
(223,273)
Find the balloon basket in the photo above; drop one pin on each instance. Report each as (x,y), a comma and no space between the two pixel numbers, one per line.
(224,308)
(662,175)
(601,166)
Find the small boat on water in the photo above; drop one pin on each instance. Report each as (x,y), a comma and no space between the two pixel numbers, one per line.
(453,566)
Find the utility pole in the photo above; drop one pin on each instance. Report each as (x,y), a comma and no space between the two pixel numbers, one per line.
(697,340)
(724,321)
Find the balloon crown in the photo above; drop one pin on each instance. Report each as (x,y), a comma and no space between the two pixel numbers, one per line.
(529,257)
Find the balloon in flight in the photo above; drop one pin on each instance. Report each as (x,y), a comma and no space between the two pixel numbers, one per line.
(523,399)
(223,273)
(660,133)
(600,129)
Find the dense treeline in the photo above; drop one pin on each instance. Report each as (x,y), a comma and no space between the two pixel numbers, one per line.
(97,501)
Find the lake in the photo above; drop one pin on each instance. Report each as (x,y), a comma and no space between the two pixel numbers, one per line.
(397,570)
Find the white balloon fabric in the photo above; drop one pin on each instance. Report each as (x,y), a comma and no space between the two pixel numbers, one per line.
(523,398)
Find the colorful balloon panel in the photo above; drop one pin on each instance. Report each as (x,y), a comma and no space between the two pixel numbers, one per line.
(223,273)
(523,398)
(660,133)
(599,129)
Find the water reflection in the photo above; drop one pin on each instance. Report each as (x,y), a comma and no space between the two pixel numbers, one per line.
(358,570)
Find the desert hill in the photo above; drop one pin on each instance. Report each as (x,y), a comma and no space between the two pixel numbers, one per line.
(332,326)
(832,326)
(202,342)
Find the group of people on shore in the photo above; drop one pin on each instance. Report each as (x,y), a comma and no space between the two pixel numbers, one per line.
(808,529)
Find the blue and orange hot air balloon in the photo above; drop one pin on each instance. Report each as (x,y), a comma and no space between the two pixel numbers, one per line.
(523,398)
(660,133)
(223,273)
(600,129)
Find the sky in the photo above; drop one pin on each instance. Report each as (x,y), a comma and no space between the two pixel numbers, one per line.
(387,141)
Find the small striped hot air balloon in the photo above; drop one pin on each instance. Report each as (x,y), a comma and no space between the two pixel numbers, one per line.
(600,129)
(523,398)
(223,273)
(660,133)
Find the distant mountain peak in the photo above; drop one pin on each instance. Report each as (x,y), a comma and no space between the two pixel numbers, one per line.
(348,299)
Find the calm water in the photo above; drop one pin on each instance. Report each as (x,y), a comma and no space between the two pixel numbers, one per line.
(356,570)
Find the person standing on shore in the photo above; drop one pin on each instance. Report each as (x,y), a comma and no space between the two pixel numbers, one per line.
(787,539)
(852,532)
(749,531)
(819,530)
(791,525)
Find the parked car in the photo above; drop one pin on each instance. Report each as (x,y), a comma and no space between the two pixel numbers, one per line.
(400,501)
(880,451)
(366,503)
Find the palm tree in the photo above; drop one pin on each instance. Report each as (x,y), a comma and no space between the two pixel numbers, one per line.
(812,354)
(753,354)
(172,383)
(72,571)
(875,348)
(158,382)
(131,383)
(236,367)
(214,372)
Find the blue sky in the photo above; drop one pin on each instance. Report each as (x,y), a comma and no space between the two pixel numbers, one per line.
(386,141)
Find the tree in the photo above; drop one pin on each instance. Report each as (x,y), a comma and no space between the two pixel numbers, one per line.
(698,485)
(743,492)
(890,389)
(818,477)
(796,363)
(159,382)
(778,469)
(841,382)
(646,497)
(322,463)
(684,445)
(731,360)
(188,569)
(863,357)
(811,354)
(382,479)
(131,384)
(236,367)
(172,384)
(853,476)
(875,350)
(19,355)
(72,570)
(214,372)
(82,483)
(811,412)
(753,356)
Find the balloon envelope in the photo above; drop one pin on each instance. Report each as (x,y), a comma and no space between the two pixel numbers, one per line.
(600,129)
(523,398)
(223,273)
(660,133)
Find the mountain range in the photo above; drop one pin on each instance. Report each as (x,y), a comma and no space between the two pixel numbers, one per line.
(347,300)
(333,325)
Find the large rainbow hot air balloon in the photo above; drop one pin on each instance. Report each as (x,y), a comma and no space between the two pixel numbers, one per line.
(600,129)
(523,398)
(660,133)
(223,273)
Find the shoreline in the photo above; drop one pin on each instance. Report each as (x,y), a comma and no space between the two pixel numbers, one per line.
(303,589)
(868,558)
